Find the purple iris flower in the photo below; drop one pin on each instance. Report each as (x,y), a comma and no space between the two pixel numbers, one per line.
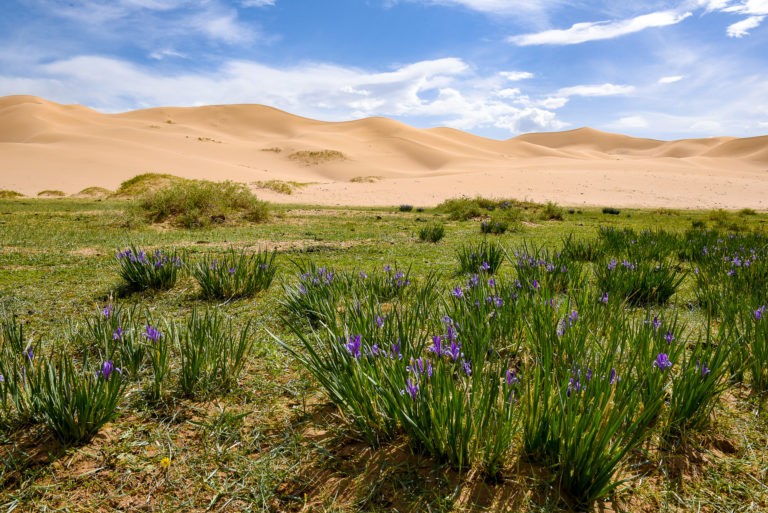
(454,351)
(656,323)
(535,284)
(485,267)
(29,353)
(604,299)
(466,367)
(457,292)
(396,350)
(117,334)
(662,362)
(612,264)
(353,346)
(363,275)
(412,388)
(152,334)
(573,317)
(379,321)
(491,282)
(613,376)
(107,312)
(511,378)
(107,369)
(669,337)
(704,369)
(437,346)
(231,270)
(759,313)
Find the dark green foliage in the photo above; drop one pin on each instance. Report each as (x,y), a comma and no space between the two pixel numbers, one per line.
(432,233)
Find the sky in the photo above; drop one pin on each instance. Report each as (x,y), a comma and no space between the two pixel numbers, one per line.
(495,68)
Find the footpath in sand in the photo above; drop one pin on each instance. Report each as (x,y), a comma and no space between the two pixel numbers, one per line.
(374,161)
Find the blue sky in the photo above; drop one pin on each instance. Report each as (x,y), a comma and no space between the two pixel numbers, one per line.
(497,68)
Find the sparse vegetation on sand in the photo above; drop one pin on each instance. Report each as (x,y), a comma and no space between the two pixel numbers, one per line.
(365,179)
(330,361)
(314,158)
(273,149)
(146,182)
(198,204)
(51,193)
(95,192)
(280,186)
(6,194)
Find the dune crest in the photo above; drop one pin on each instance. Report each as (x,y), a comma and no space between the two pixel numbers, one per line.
(46,145)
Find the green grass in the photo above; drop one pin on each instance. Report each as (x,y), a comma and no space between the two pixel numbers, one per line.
(146,182)
(274,442)
(280,186)
(6,194)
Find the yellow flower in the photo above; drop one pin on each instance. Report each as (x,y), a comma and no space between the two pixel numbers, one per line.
(165,463)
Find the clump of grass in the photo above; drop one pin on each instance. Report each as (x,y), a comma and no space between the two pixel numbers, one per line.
(208,139)
(666,212)
(279,186)
(552,211)
(273,149)
(212,354)
(464,208)
(494,226)
(483,257)
(6,194)
(405,208)
(432,233)
(639,283)
(747,212)
(145,183)
(198,204)
(235,274)
(141,271)
(95,192)
(76,403)
(698,224)
(611,211)
(313,158)
(365,179)
(52,193)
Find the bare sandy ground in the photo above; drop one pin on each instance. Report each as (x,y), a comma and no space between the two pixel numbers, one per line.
(45,145)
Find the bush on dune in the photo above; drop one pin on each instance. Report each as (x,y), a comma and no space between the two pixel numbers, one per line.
(198,204)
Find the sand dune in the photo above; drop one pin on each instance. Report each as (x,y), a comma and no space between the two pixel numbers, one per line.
(45,145)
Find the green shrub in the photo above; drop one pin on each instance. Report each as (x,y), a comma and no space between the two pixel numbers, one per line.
(405,208)
(611,211)
(747,212)
(199,204)
(6,194)
(432,233)
(552,211)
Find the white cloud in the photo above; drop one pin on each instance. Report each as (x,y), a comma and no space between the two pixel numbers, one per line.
(508,7)
(257,3)
(552,102)
(742,28)
(596,90)
(762,124)
(631,122)
(516,75)
(670,80)
(707,126)
(592,31)
(162,54)
(443,91)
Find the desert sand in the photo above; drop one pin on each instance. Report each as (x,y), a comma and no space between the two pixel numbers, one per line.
(45,145)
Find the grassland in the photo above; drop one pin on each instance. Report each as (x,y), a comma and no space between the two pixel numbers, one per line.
(275,442)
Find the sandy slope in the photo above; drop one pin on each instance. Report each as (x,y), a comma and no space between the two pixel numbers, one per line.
(44,145)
